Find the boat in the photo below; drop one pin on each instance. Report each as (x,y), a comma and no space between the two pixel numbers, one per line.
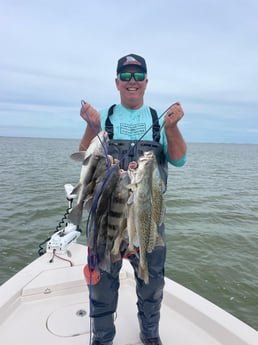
(47,302)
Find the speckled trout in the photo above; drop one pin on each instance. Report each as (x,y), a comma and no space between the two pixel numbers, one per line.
(148,204)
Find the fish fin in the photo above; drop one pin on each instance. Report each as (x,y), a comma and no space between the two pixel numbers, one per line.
(88,202)
(78,156)
(76,189)
(75,216)
(159,241)
(88,189)
(163,211)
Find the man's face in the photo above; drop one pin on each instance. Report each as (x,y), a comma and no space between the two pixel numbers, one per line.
(132,91)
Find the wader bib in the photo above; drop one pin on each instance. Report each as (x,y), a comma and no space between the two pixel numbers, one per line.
(130,150)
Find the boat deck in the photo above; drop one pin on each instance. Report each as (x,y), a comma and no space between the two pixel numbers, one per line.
(47,303)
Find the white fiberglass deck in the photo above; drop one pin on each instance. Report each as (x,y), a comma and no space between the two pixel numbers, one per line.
(47,303)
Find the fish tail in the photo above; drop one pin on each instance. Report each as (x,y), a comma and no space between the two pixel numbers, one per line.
(144,273)
(105,262)
(116,246)
(143,269)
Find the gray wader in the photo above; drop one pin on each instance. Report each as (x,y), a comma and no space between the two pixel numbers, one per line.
(104,297)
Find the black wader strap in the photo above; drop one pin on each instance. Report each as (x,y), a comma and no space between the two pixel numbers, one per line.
(108,124)
(155,124)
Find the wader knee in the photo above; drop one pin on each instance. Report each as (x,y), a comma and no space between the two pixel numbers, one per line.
(103,304)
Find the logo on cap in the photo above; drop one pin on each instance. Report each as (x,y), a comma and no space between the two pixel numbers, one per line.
(131,60)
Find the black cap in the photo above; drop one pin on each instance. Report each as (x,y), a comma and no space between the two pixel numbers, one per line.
(131,60)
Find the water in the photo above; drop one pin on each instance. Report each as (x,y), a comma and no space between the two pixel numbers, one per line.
(212,215)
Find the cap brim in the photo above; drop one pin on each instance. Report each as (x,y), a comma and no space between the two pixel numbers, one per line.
(122,68)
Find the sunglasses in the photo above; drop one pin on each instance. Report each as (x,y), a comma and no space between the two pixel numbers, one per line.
(127,76)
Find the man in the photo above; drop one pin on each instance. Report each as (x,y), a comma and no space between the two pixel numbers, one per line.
(126,123)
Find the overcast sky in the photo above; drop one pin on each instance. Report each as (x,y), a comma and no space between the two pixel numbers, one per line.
(203,53)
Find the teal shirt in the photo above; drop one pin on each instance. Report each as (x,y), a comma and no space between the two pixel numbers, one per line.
(134,125)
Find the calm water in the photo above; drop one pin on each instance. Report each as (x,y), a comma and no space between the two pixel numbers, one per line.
(212,215)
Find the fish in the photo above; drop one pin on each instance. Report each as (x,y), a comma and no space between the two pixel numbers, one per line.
(148,207)
(127,231)
(98,222)
(114,220)
(117,216)
(103,190)
(90,159)
(100,172)
(142,212)
(158,189)
(131,229)
(158,199)
(117,209)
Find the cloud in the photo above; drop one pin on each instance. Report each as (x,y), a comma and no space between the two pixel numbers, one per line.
(53,54)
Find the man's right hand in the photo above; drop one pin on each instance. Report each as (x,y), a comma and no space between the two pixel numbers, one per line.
(90,115)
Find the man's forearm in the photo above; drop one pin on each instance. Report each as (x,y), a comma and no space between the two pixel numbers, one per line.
(176,143)
(88,135)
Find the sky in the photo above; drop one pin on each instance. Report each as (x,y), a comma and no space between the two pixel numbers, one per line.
(202,53)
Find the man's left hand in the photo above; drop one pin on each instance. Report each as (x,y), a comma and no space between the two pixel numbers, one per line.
(173,115)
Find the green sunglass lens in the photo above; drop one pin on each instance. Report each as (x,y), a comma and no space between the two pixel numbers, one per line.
(125,76)
(139,76)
